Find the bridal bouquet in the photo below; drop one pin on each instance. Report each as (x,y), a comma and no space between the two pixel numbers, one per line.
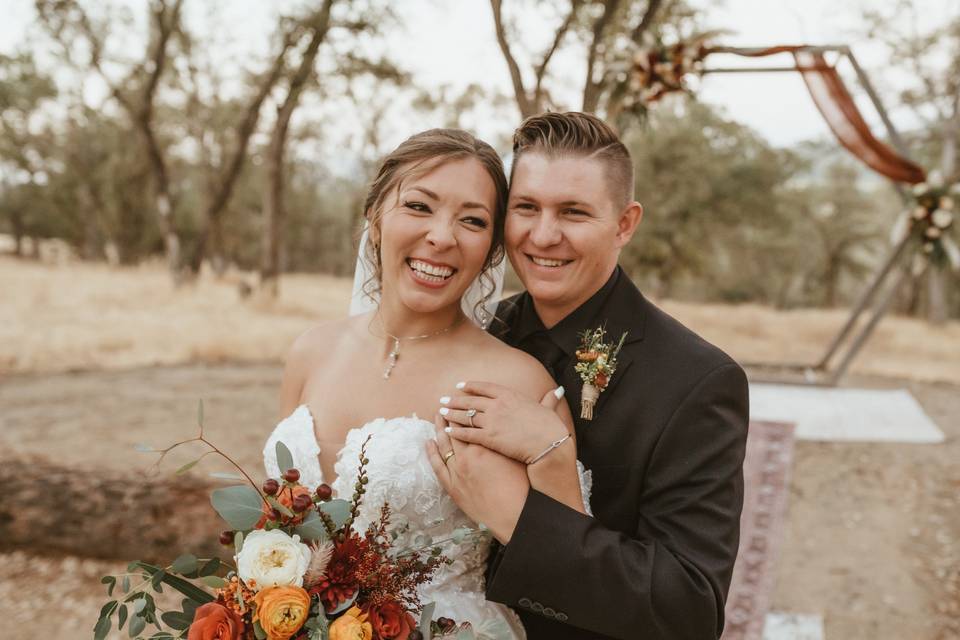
(300,571)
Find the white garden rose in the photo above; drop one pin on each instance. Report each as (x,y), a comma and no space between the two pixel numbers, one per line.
(941,218)
(272,558)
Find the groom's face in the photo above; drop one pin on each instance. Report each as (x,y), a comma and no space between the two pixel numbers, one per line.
(563,230)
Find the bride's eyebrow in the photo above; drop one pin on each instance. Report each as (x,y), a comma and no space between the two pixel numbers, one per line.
(426,192)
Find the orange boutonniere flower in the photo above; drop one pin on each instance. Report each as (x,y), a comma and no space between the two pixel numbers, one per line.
(596,364)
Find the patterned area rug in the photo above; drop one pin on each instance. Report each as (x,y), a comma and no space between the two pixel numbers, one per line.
(766,473)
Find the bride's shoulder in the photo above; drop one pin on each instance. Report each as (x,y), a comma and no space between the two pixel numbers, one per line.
(311,350)
(514,368)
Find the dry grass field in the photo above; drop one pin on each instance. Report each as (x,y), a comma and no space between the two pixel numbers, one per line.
(92,317)
(94,359)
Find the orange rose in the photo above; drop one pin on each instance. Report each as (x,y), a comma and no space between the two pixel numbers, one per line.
(352,625)
(213,621)
(391,621)
(281,611)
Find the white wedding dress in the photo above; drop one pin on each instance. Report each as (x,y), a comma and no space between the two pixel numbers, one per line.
(400,473)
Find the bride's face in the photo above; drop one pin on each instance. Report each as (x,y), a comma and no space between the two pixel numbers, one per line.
(436,235)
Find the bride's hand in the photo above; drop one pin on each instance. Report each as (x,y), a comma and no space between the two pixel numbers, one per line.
(504,421)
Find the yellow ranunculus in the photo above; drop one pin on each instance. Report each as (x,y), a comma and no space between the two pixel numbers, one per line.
(352,625)
(281,611)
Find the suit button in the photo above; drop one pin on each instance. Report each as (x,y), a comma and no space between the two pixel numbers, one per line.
(562,617)
(537,607)
(550,613)
(524,602)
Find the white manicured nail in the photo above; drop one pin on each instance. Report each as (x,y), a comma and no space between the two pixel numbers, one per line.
(445,400)
(559,392)
(461,385)
(448,429)
(444,411)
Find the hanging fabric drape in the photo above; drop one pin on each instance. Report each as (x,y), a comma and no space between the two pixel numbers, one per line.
(838,108)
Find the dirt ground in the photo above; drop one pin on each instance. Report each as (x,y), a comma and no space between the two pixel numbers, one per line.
(871,540)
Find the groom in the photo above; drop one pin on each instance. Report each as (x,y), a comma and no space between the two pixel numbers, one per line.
(666,442)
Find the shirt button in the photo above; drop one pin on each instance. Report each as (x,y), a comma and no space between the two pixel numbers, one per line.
(537,607)
(524,602)
(562,617)
(549,612)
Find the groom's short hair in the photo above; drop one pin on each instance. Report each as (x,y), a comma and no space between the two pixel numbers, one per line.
(579,135)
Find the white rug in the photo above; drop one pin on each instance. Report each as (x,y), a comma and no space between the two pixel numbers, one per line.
(848,415)
(793,626)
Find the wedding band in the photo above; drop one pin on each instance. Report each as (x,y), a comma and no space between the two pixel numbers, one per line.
(470,414)
(447,456)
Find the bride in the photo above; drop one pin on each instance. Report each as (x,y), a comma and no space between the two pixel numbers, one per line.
(435,216)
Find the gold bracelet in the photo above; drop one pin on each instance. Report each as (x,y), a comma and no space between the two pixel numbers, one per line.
(553,445)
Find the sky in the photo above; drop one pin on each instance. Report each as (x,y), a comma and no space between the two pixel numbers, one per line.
(452,43)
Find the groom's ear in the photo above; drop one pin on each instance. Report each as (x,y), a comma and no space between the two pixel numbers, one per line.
(627,223)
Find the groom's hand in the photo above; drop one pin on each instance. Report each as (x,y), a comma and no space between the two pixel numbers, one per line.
(488,487)
(504,420)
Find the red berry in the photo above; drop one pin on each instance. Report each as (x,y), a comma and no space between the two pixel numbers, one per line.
(291,475)
(324,492)
(271,487)
(226,538)
(275,514)
(446,624)
(302,502)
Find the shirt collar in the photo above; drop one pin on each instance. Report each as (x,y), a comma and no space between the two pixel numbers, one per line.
(566,333)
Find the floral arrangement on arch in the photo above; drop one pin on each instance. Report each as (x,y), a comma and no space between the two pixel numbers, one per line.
(657,69)
(300,571)
(930,221)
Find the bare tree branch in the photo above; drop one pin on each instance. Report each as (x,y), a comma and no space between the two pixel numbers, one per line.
(527,109)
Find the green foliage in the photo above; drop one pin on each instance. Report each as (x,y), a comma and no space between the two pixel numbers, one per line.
(240,506)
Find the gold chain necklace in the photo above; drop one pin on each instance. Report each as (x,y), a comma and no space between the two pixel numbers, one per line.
(395,352)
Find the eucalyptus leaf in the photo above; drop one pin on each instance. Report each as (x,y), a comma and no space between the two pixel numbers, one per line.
(190,465)
(460,533)
(125,584)
(122,617)
(238,542)
(176,620)
(139,605)
(258,631)
(215,582)
(239,505)
(137,624)
(338,510)
(210,567)
(284,457)
(273,502)
(312,528)
(189,607)
(183,586)
(157,579)
(107,610)
(102,629)
(187,563)
(426,617)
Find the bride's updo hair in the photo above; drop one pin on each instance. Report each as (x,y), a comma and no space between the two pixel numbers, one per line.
(416,156)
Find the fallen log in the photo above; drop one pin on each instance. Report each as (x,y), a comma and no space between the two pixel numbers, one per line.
(50,509)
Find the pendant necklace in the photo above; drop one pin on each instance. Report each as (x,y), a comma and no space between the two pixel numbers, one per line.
(395,352)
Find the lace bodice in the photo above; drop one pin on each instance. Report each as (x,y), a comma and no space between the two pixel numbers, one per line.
(399,472)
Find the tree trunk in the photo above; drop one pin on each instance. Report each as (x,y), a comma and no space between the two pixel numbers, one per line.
(120,517)
(228,177)
(274,214)
(16,222)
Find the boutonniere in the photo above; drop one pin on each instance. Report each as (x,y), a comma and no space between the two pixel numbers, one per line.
(596,364)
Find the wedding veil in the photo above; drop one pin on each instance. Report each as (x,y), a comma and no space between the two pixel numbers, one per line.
(479,302)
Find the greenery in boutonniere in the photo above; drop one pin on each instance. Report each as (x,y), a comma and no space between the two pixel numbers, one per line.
(596,364)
